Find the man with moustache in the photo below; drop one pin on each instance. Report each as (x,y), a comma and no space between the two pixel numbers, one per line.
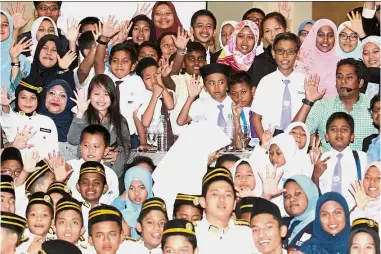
(350,75)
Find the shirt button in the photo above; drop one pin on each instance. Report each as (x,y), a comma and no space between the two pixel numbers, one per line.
(44,137)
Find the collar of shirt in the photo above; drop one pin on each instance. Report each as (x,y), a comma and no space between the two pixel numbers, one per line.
(358,105)
(282,77)
(346,151)
(226,102)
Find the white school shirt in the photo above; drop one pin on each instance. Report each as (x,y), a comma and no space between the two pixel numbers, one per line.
(44,141)
(205,109)
(225,241)
(181,96)
(137,247)
(21,200)
(23,248)
(85,84)
(85,208)
(130,96)
(268,97)
(349,172)
(111,178)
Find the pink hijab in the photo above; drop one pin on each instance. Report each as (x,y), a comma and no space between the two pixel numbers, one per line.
(233,57)
(313,61)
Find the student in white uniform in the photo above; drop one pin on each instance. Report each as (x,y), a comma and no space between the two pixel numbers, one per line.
(179,236)
(12,230)
(46,138)
(39,215)
(94,142)
(267,228)
(150,226)
(217,232)
(340,166)
(214,109)
(279,95)
(7,194)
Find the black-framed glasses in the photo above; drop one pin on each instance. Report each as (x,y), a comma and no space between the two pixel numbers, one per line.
(256,20)
(13,173)
(351,37)
(289,52)
(44,7)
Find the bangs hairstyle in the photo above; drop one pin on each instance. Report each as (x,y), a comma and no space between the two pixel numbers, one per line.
(341,115)
(278,18)
(250,11)
(203,12)
(150,45)
(126,47)
(239,78)
(85,41)
(96,129)
(163,35)
(287,37)
(196,46)
(88,21)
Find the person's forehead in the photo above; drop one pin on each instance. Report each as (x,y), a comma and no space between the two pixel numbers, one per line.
(204,19)
(239,87)
(57,88)
(105,227)
(216,76)
(13,164)
(255,14)
(90,176)
(220,186)
(48,3)
(262,219)
(93,138)
(68,215)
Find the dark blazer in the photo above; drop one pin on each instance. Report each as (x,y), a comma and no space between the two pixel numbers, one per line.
(263,65)
(297,241)
(367,141)
(371,26)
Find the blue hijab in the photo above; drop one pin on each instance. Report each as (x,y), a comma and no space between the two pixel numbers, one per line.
(132,211)
(6,68)
(323,242)
(312,194)
(62,120)
(308,21)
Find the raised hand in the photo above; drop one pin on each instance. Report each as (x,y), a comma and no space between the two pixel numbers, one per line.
(315,149)
(19,21)
(21,140)
(57,165)
(244,192)
(284,9)
(98,31)
(237,109)
(311,87)
(36,245)
(166,67)
(66,60)
(22,46)
(73,30)
(124,29)
(356,24)
(80,100)
(182,39)
(358,192)
(5,101)
(144,10)
(320,167)
(194,86)
(158,87)
(270,181)
(267,135)
(110,27)
(30,161)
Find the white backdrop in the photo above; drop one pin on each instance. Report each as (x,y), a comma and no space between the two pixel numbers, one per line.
(121,10)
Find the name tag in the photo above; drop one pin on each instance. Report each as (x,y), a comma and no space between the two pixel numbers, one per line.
(305,237)
(45,130)
(301,92)
(130,102)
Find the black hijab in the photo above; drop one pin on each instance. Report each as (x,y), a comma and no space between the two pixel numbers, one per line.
(152,37)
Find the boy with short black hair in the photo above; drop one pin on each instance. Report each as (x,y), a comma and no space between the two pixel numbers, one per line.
(11,162)
(88,24)
(284,86)
(148,49)
(340,166)
(217,232)
(7,194)
(267,228)
(179,235)
(12,230)
(227,161)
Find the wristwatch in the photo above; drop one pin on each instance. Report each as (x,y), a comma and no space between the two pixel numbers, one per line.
(102,42)
(182,52)
(16,64)
(307,102)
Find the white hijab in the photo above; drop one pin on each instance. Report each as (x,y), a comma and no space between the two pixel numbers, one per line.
(36,24)
(182,168)
(230,22)
(258,189)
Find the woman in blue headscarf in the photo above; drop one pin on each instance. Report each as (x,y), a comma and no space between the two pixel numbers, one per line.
(5,45)
(304,29)
(331,226)
(300,203)
(138,182)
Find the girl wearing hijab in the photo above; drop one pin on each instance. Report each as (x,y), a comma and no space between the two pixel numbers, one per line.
(55,103)
(300,203)
(138,182)
(318,55)
(246,180)
(364,237)
(239,52)
(349,42)
(331,209)
(164,17)
(48,65)
(304,29)
(370,49)
(367,194)
(40,27)
(142,30)
(5,45)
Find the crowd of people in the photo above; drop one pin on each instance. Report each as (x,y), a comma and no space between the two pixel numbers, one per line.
(302,106)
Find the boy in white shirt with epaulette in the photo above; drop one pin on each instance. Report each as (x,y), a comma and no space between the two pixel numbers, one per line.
(217,232)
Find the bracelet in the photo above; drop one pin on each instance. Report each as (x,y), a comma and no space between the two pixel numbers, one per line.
(16,64)
(102,42)
(307,102)
(182,52)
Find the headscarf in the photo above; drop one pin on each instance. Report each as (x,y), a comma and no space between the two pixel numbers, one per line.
(152,36)
(176,20)
(289,148)
(312,194)
(304,23)
(6,59)
(313,61)
(132,211)
(374,39)
(322,242)
(356,53)
(305,128)
(227,22)
(36,24)
(62,120)
(368,226)
(186,170)
(258,189)
(231,56)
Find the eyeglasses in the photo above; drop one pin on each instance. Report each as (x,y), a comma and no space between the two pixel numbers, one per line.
(255,20)
(289,52)
(303,33)
(13,173)
(352,37)
(166,14)
(44,7)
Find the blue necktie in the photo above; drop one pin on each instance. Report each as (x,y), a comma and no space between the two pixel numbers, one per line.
(337,175)
(245,125)
(221,120)
(286,116)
